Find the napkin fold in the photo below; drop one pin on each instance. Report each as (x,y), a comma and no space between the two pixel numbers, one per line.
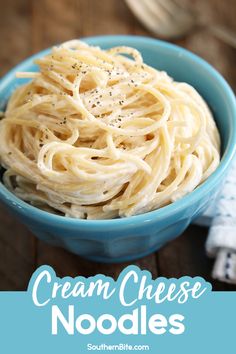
(221,240)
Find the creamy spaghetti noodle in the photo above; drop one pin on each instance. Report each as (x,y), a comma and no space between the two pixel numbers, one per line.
(98,134)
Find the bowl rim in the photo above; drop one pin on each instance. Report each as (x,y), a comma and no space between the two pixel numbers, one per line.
(167,211)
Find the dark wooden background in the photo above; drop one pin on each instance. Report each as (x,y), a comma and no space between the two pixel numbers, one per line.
(27,26)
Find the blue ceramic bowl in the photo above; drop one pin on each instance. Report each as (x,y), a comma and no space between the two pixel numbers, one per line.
(129,238)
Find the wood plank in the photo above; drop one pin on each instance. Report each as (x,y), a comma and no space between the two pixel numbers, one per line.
(17,247)
(105,17)
(17,253)
(186,256)
(53,22)
(66,263)
(29,26)
(15,33)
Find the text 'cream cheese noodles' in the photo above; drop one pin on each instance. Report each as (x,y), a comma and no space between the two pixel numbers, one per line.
(98,134)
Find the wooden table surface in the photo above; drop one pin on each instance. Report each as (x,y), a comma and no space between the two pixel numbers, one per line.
(28,26)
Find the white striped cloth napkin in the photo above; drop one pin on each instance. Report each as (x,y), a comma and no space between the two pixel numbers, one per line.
(221,240)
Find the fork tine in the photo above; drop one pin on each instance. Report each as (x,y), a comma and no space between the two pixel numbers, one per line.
(181,5)
(173,8)
(169,8)
(145,14)
(159,17)
(155,8)
(145,8)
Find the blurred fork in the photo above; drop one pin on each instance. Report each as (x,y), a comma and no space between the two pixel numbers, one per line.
(169,19)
